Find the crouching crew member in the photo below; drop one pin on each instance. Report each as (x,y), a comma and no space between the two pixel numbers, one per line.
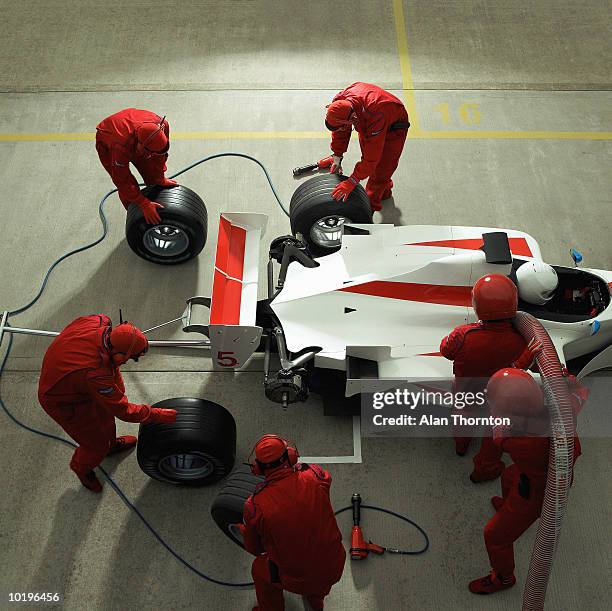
(381,121)
(289,525)
(81,388)
(480,349)
(515,394)
(142,138)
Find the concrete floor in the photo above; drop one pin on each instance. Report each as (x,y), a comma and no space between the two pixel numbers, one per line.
(254,77)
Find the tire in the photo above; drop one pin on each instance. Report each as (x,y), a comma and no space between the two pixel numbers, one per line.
(227,507)
(197,450)
(179,237)
(312,203)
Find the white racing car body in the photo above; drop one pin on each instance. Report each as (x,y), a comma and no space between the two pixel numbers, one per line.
(390,294)
(393,294)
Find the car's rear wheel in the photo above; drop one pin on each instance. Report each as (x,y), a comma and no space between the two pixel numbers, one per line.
(318,219)
(227,508)
(197,450)
(181,234)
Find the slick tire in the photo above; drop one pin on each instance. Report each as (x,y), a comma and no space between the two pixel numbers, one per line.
(198,449)
(227,508)
(317,217)
(179,237)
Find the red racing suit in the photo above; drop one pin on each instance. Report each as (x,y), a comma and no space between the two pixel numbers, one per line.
(82,390)
(116,145)
(290,526)
(478,350)
(382,124)
(523,486)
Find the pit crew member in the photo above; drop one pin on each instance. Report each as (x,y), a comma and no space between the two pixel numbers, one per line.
(289,525)
(382,123)
(81,388)
(142,138)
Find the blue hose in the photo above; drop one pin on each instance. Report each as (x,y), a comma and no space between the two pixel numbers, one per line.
(67,442)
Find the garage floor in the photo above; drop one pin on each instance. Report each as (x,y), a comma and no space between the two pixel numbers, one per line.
(512,127)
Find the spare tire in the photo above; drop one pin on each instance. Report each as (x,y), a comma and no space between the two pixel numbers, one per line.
(197,450)
(227,508)
(182,233)
(317,218)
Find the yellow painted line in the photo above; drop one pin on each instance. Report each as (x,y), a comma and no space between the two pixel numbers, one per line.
(404,58)
(253,135)
(49,137)
(508,135)
(414,133)
(217,135)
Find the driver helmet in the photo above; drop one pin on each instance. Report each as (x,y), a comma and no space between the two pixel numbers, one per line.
(537,281)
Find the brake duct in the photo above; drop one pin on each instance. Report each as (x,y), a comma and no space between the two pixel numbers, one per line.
(560,461)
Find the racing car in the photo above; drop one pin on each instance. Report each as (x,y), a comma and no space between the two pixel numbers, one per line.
(382,298)
(348,301)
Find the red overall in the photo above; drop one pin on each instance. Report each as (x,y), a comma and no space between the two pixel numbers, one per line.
(376,111)
(82,390)
(478,350)
(290,526)
(523,485)
(116,145)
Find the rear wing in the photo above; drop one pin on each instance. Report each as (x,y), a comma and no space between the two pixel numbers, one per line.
(234,336)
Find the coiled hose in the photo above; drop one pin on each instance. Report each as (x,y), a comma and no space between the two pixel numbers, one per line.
(560,461)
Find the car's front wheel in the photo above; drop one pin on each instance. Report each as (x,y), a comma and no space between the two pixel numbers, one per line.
(318,219)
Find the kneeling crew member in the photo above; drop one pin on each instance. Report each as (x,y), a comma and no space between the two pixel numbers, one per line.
(142,138)
(480,349)
(81,388)
(515,394)
(289,524)
(382,123)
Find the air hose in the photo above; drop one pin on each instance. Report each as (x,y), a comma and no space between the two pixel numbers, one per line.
(560,461)
(110,479)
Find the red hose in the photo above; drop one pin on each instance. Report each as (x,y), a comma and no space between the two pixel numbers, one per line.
(560,462)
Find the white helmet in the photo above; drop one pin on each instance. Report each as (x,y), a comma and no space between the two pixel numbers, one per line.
(536,281)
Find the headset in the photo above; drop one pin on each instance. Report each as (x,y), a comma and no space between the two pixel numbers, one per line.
(133,337)
(160,127)
(335,128)
(291,455)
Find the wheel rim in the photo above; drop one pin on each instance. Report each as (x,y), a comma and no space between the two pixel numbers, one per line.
(327,231)
(187,466)
(166,240)
(235,532)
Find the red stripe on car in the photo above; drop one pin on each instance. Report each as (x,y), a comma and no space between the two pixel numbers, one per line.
(518,246)
(409,291)
(229,268)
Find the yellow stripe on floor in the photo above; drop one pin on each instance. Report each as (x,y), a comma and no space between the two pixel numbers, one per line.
(414,133)
(404,59)
(508,135)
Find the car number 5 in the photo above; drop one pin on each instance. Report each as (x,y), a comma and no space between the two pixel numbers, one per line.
(226,359)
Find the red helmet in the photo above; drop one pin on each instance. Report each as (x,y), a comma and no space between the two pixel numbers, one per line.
(272,451)
(128,340)
(513,391)
(494,297)
(151,137)
(338,112)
